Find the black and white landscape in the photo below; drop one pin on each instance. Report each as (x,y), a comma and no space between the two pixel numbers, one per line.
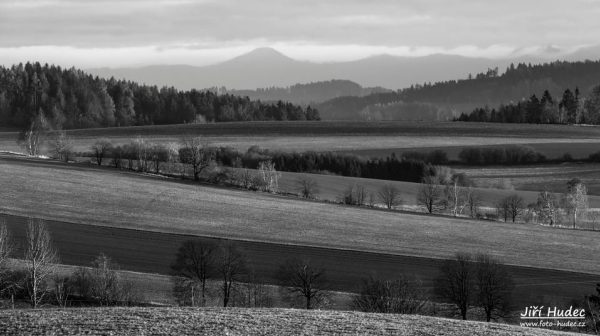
(316,167)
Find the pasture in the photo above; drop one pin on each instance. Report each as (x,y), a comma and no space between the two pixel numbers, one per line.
(338,135)
(112,198)
(534,177)
(240,321)
(153,252)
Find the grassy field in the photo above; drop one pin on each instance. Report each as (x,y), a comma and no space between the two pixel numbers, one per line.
(339,136)
(533,177)
(107,197)
(330,187)
(239,321)
(153,252)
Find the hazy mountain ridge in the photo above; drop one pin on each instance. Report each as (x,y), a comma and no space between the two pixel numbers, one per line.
(266,67)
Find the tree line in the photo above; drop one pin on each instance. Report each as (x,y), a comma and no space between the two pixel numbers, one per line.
(309,93)
(517,82)
(71,98)
(571,108)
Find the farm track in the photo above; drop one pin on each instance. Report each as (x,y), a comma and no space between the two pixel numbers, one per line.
(153,252)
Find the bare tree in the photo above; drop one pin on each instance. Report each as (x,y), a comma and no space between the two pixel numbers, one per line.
(503,208)
(301,279)
(455,284)
(101,149)
(493,287)
(307,186)
(430,194)
(195,152)
(546,206)
(158,153)
(40,260)
(6,249)
(360,194)
(246,178)
(31,139)
(473,202)
(403,295)
(61,145)
(516,206)
(104,284)
(454,193)
(195,264)
(62,289)
(270,176)
(232,267)
(576,201)
(389,195)
(255,292)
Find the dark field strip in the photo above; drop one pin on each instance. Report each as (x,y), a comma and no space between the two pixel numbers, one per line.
(344,128)
(153,252)
(578,150)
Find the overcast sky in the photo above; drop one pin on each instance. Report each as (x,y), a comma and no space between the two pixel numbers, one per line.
(111,33)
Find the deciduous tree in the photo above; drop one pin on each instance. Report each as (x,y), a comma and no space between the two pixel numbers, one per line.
(232,266)
(300,278)
(389,195)
(493,287)
(402,295)
(455,282)
(430,194)
(195,152)
(195,264)
(307,186)
(101,149)
(61,145)
(40,260)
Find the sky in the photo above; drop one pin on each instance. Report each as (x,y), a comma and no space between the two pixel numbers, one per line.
(125,33)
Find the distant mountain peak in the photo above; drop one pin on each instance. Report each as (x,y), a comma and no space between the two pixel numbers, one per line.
(262,54)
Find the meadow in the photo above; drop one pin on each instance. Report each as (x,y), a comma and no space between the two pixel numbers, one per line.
(240,321)
(121,199)
(534,177)
(149,254)
(338,136)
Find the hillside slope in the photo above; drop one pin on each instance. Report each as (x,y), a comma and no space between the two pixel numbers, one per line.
(115,198)
(240,321)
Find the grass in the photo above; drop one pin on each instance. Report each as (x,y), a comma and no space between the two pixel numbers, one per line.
(339,135)
(330,186)
(106,197)
(239,321)
(533,177)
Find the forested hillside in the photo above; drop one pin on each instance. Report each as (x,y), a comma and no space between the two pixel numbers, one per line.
(309,93)
(443,100)
(517,82)
(71,98)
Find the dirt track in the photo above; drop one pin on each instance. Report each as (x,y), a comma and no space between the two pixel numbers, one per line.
(152,252)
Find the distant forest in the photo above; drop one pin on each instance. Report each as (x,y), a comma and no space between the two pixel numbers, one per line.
(443,100)
(517,83)
(571,108)
(310,93)
(70,98)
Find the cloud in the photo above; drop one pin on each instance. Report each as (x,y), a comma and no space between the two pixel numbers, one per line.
(468,26)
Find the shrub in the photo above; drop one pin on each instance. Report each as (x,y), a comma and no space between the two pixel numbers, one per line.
(437,157)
